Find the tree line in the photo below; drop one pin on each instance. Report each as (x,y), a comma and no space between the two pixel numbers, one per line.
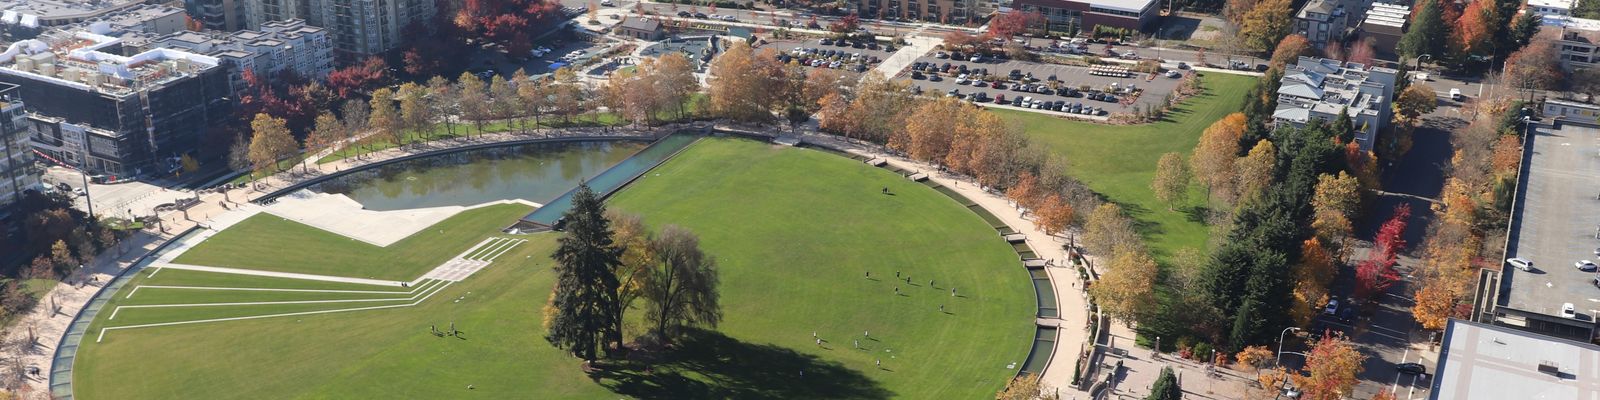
(658,90)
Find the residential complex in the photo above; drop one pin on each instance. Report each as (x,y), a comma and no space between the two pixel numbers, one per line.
(218,15)
(367,27)
(16,155)
(1137,15)
(114,114)
(1319,89)
(1384,24)
(1322,21)
(278,46)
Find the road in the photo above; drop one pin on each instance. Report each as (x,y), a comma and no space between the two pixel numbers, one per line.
(1389,335)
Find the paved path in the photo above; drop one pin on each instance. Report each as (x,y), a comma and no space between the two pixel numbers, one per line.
(905,55)
(1070,299)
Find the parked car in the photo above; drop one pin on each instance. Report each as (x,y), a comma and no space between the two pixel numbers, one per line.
(1173,74)
(1332,308)
(1568,310)
(1520,263)
(1411,368)
(1455,94)
(1585,265)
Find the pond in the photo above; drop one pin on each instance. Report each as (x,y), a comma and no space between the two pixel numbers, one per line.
(534,172)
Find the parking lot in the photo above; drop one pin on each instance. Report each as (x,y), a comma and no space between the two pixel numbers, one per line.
(559,45)
(1556,224)
(1069,76)
(871,56)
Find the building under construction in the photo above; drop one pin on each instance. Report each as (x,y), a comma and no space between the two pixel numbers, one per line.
(110,114)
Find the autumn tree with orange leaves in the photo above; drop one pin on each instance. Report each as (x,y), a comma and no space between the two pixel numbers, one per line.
(1333,364)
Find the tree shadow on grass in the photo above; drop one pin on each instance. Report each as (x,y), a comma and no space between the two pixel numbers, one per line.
(709,365)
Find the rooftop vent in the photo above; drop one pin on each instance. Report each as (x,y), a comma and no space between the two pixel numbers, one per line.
(1550,367)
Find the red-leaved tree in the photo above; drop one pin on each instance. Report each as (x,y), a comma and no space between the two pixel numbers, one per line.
(509,23)
(1010,24)
(349,81)
(1377,273)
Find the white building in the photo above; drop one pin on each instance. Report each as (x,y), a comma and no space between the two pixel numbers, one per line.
(277,46)
(1319,89)
(361,28)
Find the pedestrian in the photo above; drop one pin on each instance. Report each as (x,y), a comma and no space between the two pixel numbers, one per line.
(819,342)
(930,283)
(880,363)
(866,334)
(869,274)
(908,279)
(897,274)
(941,308)
(952,292)
(896,290)
(813,334)
(857,344)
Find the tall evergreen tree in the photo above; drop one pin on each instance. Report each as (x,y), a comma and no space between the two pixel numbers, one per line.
(1428,32)
(1343,127)
(1166,387)
(583,308)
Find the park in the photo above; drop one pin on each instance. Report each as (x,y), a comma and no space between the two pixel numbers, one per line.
(809,243)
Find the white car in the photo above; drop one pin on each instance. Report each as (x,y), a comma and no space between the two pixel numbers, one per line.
(1520,263)
(1332,308)
(1585,265)
(1455,94)
(1568,310)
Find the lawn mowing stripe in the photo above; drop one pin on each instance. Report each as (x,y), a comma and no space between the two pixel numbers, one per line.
(502,251)
(436,290)
(480,248)
(266,289)
(258,303)
(494,243)
(276,274)
(509,243)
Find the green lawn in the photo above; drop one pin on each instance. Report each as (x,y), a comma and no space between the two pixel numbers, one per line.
(272,243)
(793,230)
(1120,161)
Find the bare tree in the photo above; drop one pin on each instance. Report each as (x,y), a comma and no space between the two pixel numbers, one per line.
(683,287)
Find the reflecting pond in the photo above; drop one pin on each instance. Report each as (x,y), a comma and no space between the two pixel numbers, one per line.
(534,172)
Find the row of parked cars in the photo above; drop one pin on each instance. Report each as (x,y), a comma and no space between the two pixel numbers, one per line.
(700,15)
(859,44)
(829,58)
(1029,102)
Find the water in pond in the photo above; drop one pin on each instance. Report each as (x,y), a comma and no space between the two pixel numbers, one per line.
(535,172)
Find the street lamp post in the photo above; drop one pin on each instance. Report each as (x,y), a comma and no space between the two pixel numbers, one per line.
(1279,359)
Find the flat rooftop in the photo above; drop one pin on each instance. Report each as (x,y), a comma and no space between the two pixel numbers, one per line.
(1555,224)
(1123,5)
(1487,362)
(50,10)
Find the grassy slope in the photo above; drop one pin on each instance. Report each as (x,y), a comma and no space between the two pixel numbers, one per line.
(797,272)
(795,230)
(272,243)
(1120,161)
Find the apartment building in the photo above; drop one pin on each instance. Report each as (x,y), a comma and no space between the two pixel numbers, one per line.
(112,114)
(1319,89)
(1323,21)
(941,11)
(276,47)
(361,28)
(16,156)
